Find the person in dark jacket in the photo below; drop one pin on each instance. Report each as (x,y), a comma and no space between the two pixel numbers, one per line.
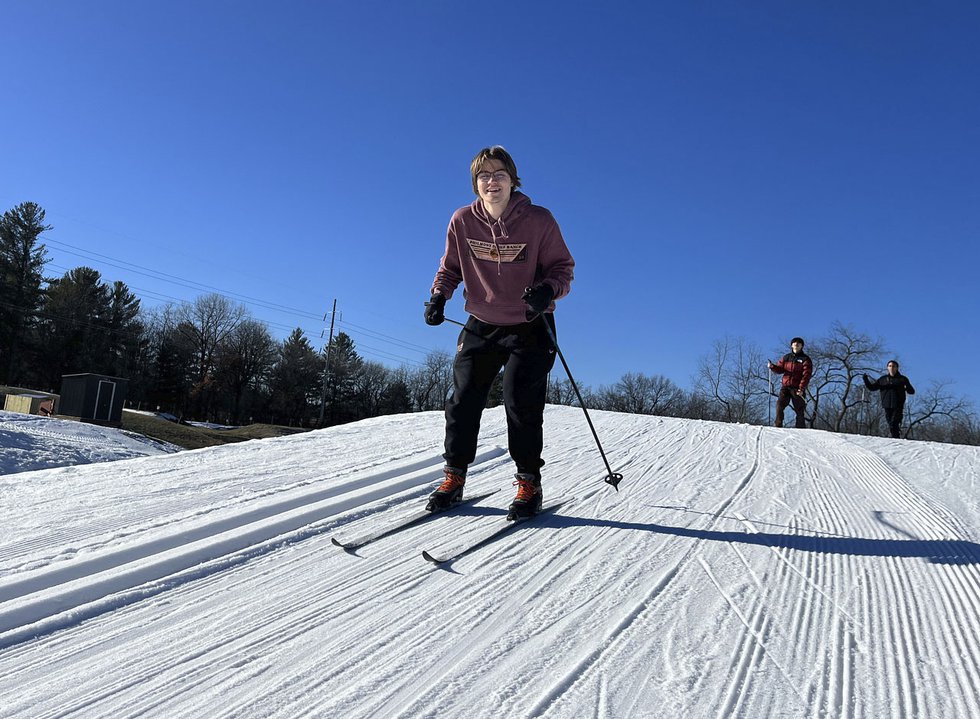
(893,387)
(510,257)
(796,367)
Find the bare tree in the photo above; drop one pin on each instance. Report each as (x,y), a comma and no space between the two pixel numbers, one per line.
(429,385)
(839,361)
(697,406)
(370,387)
(561,392)
(735,377)
(244,359)
(935,405)
(207,322)
(638,393)
(963,430)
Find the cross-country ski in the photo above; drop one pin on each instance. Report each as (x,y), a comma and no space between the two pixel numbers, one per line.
(494,529)
(403,522)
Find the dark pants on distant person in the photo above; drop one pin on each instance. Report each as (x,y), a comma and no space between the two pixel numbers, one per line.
(526,354)
(893,415)
(787,395)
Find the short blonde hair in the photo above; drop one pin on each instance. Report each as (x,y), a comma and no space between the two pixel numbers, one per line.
(494,153)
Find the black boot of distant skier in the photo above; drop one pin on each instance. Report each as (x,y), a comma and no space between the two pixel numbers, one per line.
(527,503)
(450,492)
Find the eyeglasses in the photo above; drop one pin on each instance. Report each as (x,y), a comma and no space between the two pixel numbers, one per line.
(498,176)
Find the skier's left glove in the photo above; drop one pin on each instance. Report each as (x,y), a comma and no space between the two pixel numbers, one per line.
(539,298)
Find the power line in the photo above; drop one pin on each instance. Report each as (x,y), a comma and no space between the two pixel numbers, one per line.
(194,285)
(189,284)
(393,340)
(152,294)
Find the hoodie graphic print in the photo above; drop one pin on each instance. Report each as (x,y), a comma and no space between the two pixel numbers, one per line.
(496,260)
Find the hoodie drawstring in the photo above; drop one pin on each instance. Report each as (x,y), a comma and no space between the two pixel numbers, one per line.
(494,225)
(498,228)
(503,236)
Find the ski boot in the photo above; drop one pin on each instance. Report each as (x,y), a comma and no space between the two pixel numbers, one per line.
(450,492)
(527,503)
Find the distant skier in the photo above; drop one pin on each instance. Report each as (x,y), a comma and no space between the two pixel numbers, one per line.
(796,367)
(512,259)
(893,387)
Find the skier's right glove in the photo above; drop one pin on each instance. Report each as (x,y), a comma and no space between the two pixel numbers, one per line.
(435,309)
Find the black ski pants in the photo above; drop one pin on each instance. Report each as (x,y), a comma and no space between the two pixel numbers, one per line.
(526,354)
(787,395)
(893,415)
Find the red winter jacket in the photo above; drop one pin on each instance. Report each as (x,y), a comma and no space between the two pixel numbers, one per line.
(795,369)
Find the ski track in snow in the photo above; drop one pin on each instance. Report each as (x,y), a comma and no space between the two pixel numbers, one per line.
(739,572)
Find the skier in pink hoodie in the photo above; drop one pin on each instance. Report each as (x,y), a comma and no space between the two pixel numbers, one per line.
(512,260)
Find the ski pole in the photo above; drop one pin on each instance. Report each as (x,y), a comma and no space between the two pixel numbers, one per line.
(612,478)
(769,402)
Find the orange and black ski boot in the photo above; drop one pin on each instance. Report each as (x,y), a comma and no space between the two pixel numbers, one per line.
(450,492)
(527,503)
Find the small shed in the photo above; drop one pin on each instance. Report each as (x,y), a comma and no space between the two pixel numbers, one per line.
(93,397)
(26,403)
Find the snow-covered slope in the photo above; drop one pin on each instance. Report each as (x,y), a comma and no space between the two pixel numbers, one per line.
(29,442)
(740,571)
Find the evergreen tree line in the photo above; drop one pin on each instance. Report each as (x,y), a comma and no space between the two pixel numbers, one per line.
(210,360)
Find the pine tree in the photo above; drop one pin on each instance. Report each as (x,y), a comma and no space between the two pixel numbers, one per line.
(22,262)
(344,372)
(126,333)
(296,380)
(73,330)
(244,360)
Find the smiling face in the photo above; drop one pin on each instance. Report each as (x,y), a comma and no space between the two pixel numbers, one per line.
(494,185)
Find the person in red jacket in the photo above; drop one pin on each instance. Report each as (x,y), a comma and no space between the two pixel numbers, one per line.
(796,367)
(512,260)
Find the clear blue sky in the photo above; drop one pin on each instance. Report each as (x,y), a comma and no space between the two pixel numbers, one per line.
(745,169)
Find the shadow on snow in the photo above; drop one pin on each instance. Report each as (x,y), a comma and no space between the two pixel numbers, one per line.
(937,551)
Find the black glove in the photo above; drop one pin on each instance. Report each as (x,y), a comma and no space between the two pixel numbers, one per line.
(539,298)
(434,309)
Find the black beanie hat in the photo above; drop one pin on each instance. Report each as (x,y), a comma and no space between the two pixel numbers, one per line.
(798,339)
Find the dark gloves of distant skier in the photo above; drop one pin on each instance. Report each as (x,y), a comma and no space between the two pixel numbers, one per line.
(539,298)
(435,310)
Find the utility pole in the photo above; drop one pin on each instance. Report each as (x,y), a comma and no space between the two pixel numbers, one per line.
(326,366)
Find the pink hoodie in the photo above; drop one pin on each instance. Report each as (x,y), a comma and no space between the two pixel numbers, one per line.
(498,260)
